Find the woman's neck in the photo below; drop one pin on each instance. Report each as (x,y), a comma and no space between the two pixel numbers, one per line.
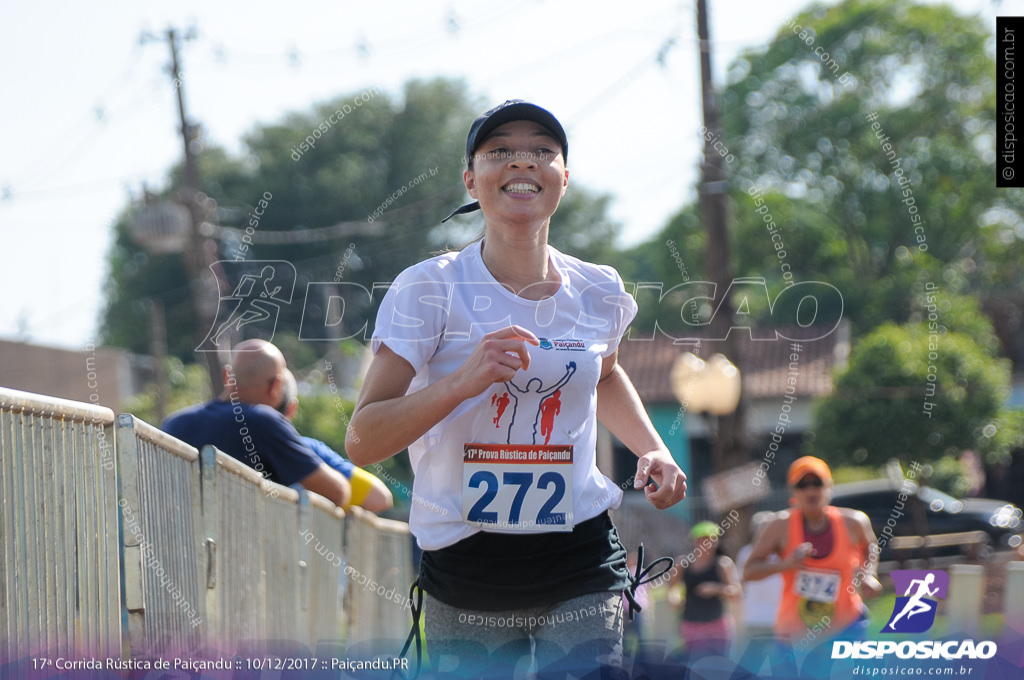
(817,522)
(521,264)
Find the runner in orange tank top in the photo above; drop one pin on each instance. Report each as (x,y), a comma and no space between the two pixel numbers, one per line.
(825,555)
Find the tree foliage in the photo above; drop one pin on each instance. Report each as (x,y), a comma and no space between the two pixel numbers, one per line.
(1003,436)
(394,165)
(359,158)
(915,392)
(862,155)
(187,385)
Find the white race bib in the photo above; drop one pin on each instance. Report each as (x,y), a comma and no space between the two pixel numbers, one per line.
(522,488)
(817,586)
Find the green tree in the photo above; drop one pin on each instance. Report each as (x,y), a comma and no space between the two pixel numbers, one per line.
(873,163)
(1002,436)
(581,226)
(393,166)
(916,391)
(187,385)
(361,166)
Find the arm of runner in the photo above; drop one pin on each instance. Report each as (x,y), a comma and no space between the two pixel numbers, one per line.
(770,542)
(865,536)
(729,582)
(620,410)
(386,419)
(730,577)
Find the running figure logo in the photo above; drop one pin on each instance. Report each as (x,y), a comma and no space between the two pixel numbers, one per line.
(502,402)
(914,612)
(533,408)
(261,288)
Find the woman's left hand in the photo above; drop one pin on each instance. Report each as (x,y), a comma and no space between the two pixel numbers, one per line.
(663,482)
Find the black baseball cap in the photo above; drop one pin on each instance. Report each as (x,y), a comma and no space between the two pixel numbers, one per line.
(511,110)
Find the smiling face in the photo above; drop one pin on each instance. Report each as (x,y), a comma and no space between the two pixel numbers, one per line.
(518,173)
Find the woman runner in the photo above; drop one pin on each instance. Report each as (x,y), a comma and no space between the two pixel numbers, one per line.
(493,365)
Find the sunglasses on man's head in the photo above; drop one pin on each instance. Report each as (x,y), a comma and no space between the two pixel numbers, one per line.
(809,482)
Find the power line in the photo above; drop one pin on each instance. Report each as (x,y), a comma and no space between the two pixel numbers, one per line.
(300,236)
(86,124)
(48,193)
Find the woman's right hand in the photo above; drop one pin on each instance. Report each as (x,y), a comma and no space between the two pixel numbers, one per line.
(497,358)
(396,418)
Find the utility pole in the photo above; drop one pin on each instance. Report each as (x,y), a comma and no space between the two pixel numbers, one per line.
(727,432)
(158,342)
(713,187)
(200,251)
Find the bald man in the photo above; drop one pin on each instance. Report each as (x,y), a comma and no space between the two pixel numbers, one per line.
(244,423)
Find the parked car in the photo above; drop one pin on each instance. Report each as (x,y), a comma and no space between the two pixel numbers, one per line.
(913,522)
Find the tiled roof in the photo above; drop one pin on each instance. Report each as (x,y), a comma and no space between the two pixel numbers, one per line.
(764,365)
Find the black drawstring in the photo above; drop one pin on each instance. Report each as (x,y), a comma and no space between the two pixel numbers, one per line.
(642,576)
(417,609)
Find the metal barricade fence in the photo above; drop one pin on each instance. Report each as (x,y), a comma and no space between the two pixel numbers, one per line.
(282,570)
(233,520)
(265,586)
(194,552)
(394,560)
(161,526)
(321,557)
(379,570)
(59,585)
(360,566)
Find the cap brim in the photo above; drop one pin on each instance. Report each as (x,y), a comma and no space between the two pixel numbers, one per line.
(809,465)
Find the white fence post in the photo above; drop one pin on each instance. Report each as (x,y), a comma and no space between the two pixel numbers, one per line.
(59,553)
(966,592)
(164,586)
(233,514)
(1013,596)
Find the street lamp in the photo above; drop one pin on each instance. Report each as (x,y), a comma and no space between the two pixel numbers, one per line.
(722,383)
(162,227)
(711,387)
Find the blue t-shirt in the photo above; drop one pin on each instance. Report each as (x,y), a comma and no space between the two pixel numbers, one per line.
(330,456)
(256,435)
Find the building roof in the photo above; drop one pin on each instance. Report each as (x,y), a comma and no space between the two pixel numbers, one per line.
(763,364)
(95,375)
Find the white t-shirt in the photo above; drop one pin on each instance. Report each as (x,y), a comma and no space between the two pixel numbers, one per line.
(435,314)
